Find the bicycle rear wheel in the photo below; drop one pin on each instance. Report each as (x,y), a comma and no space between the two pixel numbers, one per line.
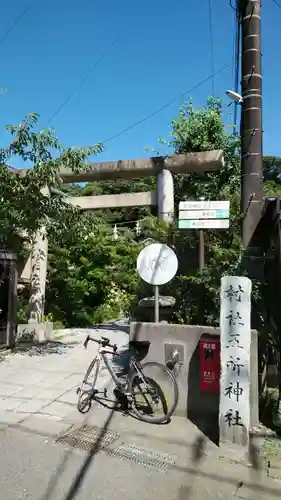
(154,393)
(86,390)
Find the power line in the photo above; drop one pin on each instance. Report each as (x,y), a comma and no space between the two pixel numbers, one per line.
(86,77)
(277,3)
(167,105)
(211,46)
(16,21)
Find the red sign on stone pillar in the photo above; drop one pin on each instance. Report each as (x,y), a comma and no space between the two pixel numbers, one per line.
(210,365)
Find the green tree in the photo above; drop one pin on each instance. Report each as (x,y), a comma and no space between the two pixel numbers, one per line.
(272,169)
(92,279)
(196,293)
(197,130)
(24,208)
(82,272)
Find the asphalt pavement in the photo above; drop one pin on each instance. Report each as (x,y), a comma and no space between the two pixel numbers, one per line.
(50,451)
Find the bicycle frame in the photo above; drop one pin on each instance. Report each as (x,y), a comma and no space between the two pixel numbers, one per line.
(101,356)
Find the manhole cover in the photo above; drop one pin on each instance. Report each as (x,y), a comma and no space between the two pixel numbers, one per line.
(85,437)
(148,458)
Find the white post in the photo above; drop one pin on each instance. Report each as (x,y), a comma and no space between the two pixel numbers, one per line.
(235,332)
(165,196)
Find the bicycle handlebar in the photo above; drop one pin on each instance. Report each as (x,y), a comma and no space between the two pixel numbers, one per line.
(103,341)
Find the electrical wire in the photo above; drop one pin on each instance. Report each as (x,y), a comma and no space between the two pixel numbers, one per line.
(167,105)
(86,77)
(211,45)
(16,21)
(277,3)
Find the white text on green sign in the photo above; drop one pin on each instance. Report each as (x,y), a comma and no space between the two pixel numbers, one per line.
(204,214)
(204,224)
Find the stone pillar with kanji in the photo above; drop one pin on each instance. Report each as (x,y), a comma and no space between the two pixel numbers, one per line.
(235,330)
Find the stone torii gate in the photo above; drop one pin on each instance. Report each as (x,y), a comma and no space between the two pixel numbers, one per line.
(161,167)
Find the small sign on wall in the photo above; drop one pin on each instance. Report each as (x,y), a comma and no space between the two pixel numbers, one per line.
(210,365)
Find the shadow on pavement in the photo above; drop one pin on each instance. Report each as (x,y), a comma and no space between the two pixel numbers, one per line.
(193,471)
(75,486)
(120,325)
(47,348)
(202,407)
(77,482)
(110,404)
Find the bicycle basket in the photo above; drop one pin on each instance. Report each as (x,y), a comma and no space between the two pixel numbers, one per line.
(139,349)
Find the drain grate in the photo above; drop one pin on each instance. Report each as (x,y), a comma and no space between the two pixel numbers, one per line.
(85,437)
(148,458)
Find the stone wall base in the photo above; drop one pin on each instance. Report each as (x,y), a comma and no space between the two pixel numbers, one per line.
(35,332)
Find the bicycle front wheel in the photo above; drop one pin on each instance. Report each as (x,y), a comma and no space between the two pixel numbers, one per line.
(86,389)
(154,393)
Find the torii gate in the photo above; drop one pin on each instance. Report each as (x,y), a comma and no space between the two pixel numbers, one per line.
(162,167)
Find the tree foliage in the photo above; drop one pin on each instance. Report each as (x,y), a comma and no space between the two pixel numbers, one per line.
(272,169)
(197,293)
(91,276)
(91,280)
(118,186)
(24,206)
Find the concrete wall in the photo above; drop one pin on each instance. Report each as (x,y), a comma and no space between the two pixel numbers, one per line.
(202,408)
(34,332)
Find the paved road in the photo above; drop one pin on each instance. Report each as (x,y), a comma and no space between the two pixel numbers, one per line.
(43,379)
(35,467)
(133,461)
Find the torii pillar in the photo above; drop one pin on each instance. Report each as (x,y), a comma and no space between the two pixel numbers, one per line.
(39,262)
(165,196)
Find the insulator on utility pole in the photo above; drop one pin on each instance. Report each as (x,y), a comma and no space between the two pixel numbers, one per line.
(138,230)
(115,233)
(251,119)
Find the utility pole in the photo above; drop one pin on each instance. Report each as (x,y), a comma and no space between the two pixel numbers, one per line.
(201,246)
(251,118)
(201,250)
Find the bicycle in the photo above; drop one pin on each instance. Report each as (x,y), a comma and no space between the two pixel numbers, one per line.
(134,379)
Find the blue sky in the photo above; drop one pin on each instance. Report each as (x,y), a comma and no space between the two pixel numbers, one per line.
(156,50)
